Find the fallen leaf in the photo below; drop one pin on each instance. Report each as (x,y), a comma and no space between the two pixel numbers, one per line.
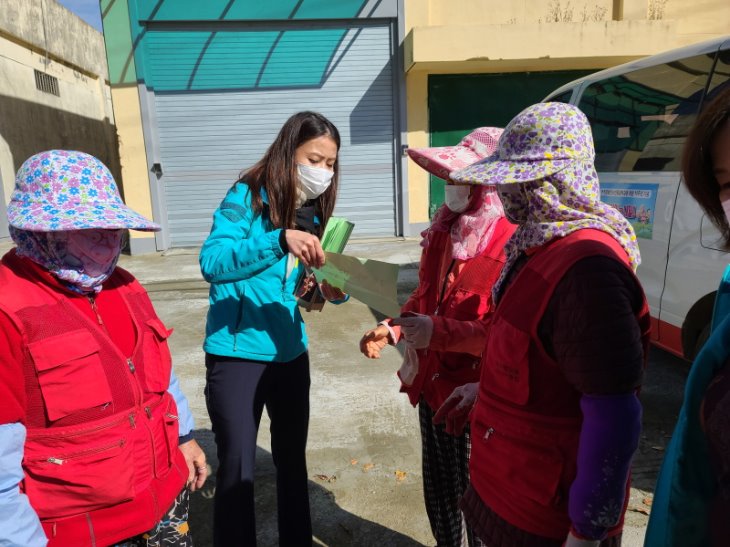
(648,501)
(638,509)
(400,476)
(368,466)
(326,478)
(353,462)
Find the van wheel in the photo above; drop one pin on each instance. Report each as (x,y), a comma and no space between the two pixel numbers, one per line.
(696,325)
(701,339)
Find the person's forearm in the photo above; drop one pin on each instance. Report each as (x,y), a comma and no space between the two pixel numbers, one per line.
(185,416)
(459,336)
(19,524)
(608,439)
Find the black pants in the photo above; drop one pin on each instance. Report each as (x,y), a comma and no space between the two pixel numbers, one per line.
(236,391)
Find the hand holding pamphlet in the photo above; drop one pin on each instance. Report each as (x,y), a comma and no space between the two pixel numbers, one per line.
(372,282)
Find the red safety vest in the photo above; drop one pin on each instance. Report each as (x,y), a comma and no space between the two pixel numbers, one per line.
(469,298)
(101,457)
(527,419)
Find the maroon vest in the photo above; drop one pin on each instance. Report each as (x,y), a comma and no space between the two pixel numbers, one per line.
(527,419)
(101,457)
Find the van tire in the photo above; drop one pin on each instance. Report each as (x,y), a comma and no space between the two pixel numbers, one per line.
(696,326)
(701,339)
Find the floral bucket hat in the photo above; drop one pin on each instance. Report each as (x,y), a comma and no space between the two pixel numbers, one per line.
(61,190)
(540,141)
(442,160)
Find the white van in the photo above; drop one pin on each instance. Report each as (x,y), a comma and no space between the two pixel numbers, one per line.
(640,113)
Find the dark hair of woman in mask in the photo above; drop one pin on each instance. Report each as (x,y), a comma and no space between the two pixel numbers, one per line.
(276,171)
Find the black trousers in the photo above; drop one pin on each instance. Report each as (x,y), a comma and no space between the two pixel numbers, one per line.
(236,392)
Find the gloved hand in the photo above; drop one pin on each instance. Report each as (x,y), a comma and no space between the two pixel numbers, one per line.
(454,412)
(575,541)
(373,341)
(416,329)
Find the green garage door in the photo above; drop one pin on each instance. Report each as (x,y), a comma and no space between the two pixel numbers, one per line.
(457,103)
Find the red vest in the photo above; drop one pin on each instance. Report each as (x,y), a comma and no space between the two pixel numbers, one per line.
(101,457)
(469,298)
(526,423)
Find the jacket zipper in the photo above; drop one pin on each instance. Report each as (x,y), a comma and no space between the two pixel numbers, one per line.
(63,459)
(32,435)
(99,320)
(443,286)
(130,364)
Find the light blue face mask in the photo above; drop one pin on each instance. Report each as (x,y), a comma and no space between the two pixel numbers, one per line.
(314,181)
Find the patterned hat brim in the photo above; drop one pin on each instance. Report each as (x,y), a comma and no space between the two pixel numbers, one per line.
(427,158)
(494,171)
(78,216)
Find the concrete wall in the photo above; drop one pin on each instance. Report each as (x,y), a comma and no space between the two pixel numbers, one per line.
(494,36)
(31,120)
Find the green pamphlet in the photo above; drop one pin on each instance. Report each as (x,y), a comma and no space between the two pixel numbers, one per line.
(334,239)
(370,281)
(336,234)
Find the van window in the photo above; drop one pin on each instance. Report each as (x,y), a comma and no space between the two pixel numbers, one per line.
(564,97)
(640,119)
(720,76)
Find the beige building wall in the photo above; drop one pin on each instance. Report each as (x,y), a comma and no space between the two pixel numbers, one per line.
(132,152)
(493,36)
(80,117)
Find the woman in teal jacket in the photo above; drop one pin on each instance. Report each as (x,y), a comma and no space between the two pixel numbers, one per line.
(692,497)
(265,231)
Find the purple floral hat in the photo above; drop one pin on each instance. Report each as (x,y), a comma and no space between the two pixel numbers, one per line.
(542,140)
(61,190)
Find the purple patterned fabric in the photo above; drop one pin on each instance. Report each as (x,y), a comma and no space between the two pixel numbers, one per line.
(548,149)
(608,439)
(540,141)
(82,259)
(60,190)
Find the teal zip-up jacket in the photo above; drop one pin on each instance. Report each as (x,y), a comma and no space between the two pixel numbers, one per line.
(686,484)
(253,311)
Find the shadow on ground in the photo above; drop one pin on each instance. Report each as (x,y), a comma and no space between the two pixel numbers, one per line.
(332,525)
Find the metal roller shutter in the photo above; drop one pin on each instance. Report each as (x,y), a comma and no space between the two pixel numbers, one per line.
(221,97)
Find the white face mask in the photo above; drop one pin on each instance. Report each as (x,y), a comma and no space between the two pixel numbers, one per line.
(314,180)
(457,197)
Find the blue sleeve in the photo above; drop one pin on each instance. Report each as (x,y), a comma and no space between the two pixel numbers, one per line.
(19,524)
(185,416)
(231,252)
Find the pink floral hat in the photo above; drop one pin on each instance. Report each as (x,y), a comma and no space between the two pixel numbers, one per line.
(543,139)
(61,190)
(442,160)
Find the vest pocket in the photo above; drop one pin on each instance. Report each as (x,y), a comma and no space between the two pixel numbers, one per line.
(506,369)
(70,373)
(68,478)
(158,361)
(467,305)
(519,459)
(164,426)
